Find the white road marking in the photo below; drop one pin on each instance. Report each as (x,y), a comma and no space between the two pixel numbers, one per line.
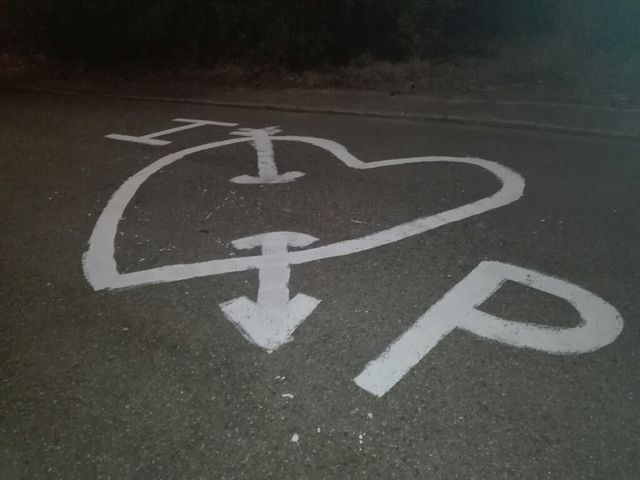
(270,322)
(267,169)
(600,323)
(151,139)
(99,262)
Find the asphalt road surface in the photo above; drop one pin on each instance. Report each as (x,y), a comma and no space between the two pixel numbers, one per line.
(154,372)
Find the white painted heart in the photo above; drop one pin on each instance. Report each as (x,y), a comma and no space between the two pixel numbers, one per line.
(101,269)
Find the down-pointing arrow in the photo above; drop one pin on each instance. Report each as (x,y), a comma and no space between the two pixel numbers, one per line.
(270,322)
(267,168)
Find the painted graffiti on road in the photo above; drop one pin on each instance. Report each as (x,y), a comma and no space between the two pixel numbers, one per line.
(599,326)
(152,138)
(270,321)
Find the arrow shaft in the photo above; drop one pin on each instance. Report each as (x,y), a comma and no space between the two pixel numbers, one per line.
(273,291)
(267,168)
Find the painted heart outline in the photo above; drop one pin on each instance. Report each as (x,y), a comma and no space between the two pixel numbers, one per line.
(100,266)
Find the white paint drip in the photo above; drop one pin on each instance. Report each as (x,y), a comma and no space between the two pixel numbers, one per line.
(270,322)
(287,395)
(152,138)
(600,323)
(267,169)
(100,266)
(295,438)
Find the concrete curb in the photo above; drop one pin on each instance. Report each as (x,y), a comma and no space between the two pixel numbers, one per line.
(446,109)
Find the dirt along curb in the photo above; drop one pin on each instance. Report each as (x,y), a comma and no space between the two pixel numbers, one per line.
(541,116)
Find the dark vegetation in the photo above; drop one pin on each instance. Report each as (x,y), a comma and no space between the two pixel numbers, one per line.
(307,33)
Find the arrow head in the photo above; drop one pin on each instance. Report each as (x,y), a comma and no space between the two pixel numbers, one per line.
(265,326)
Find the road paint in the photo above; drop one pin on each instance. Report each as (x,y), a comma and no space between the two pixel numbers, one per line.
(101,269)
(270,322)
(600,323)
(267,168)
(152,138)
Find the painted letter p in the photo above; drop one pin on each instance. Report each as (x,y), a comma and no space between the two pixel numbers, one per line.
(600,323)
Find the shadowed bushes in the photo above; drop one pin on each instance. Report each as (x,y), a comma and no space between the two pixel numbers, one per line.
(301,33)
(288,32)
